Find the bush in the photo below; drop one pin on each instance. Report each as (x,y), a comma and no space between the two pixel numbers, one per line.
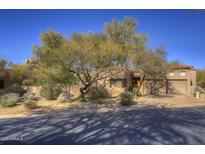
(202,83)
(27,82)
(126,98)
(30,104)
(16,88)
(99,101)
(50,92)
(11,95)
(2,92)
(9,102)
(98,92)
(82,99)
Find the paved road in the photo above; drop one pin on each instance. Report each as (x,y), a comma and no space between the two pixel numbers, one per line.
(141,126)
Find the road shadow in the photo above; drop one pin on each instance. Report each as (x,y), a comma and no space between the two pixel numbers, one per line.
(148,125)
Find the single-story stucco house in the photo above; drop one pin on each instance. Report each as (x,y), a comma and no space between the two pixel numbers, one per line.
(181,80)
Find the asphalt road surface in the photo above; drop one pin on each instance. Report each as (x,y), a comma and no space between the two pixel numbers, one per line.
(139,126)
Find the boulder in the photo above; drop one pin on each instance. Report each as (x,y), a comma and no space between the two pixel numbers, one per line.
(11,95)
(29,96)
(63,97)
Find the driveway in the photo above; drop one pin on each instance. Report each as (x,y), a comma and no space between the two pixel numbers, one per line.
(147,125)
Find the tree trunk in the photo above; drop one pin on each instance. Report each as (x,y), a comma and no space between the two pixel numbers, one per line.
(140,85)
(84,90)
(69,93)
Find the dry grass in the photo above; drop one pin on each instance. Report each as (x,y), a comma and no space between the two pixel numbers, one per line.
(12,112)
(52,104)
(21,111)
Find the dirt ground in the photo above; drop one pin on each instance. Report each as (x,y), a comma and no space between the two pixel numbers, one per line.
(173,101)
(45,106)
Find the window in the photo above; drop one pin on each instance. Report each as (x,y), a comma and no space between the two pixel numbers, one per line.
(171,74)
(183,73)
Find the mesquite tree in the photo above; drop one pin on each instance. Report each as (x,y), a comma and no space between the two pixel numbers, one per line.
(89,56)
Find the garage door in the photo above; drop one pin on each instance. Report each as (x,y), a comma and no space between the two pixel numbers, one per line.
(178,86)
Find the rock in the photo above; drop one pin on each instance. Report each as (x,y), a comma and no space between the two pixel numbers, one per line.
(29,96)
(63,97)
(11,95)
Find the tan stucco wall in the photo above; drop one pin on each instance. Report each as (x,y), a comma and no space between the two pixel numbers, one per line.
(177,84)
(190,78)
(116,89)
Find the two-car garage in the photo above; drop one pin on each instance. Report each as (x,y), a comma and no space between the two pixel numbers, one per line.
(171,86)
(177,86)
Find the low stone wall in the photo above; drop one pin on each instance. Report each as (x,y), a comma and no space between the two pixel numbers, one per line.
(36,90)
(74,90)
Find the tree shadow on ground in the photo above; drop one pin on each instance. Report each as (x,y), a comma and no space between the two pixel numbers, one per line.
(140,126)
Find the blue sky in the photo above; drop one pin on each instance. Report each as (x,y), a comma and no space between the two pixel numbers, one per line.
(182,32)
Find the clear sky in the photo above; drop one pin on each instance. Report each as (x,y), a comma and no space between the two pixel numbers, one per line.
(182,32)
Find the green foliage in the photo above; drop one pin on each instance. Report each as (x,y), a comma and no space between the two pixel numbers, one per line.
(97,92)
(59,76)
(8,102)
(50,92)
(152,65)
(84,57)
(30,104)
(99,101)
(82,99)
(201,78)
(121,31)
(126,98)
(151,62)
(16,88)
(2,92)
(124,34)
(3,64)
(53,60)
(18,73)
(27,82)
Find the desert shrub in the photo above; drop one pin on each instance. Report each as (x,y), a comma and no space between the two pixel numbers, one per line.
(8,102)
(99,101)
(2,92)
(30,104)
(126,98)
(202,84)
(200,77)
(27,82)
(82,99)
(16,88)
(98,92)
(50,92)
